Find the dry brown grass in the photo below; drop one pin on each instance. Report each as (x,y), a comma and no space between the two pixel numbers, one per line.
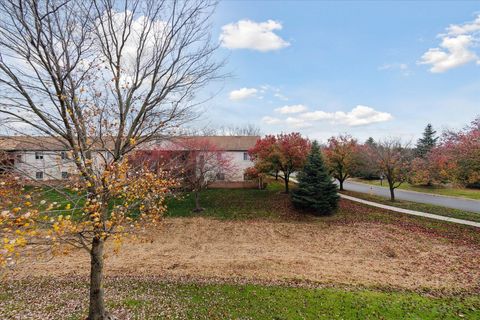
(357,253)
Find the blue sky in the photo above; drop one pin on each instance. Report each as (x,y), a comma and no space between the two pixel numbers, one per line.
(347,67)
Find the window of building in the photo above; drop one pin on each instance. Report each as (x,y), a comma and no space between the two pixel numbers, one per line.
(39,175)
(64,155)
(65,175)
(38,155)
(245,156)
(220,176)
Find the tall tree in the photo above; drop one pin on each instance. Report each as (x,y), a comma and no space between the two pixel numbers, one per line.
(316,191)
(342,157)
(101,77)
(392,159)
(284,153)
(458,155)
(370,141)
(427,142)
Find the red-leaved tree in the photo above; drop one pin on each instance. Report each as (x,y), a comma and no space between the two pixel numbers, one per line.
(195,162)
(460,155)
(283,153)
(392,159)
(341,157)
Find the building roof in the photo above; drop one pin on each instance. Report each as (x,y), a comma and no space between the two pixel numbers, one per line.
(33,143)
(44,143)
(228,143)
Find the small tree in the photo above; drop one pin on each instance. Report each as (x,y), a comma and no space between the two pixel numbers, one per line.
(253,174)
(194,161)
(341,157)
(392,159)
(204,164)
(284,153)
(366,168)
(434,168)
(316,190)
(427,142)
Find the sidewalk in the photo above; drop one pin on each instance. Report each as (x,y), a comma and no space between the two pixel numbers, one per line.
(412,212)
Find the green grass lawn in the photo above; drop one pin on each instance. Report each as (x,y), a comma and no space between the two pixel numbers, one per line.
(437,189)
(233,203)
(153,299)
(423,207)
(273,204)
(140,298)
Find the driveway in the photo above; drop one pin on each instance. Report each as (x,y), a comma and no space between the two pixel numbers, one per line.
(449,202)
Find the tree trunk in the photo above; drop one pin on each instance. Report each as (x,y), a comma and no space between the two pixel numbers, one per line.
(197,202)
(287,178)
(341,184)
(276,175)
(392,194)
(96,310)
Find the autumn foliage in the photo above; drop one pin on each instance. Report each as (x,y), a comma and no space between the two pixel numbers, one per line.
(195,162)
(283,153)
(392,159)
(125,198)
(342,157)
(455,160)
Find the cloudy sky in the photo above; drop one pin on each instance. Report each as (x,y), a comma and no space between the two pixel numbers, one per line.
(365,68)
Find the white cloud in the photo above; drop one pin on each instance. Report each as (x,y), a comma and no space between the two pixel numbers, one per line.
(296,108)
(318,115)
(280,96)
(242,93)
(297,122)
(455,29)
(271,120)
(358,116)
(247,34)
(455,49)
(454,52)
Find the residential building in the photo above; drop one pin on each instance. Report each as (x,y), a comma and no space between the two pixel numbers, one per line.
(46,158)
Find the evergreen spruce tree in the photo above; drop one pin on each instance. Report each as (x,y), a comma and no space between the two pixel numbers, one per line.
(370,142)
(427,142)
(316,191)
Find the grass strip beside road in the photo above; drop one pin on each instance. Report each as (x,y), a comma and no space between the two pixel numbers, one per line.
(422,207)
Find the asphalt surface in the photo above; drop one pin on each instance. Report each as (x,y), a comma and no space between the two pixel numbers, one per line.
(449,202)
(413,212)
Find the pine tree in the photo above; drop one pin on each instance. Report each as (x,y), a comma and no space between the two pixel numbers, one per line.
(427,142)
(316,191)
(370,141)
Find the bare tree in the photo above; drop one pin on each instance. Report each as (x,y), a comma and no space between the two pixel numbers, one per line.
(392,159)
(239,130)
(229,130)
(102,77)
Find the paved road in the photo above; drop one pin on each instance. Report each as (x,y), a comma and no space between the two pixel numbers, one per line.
(412,212)
(449,202)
